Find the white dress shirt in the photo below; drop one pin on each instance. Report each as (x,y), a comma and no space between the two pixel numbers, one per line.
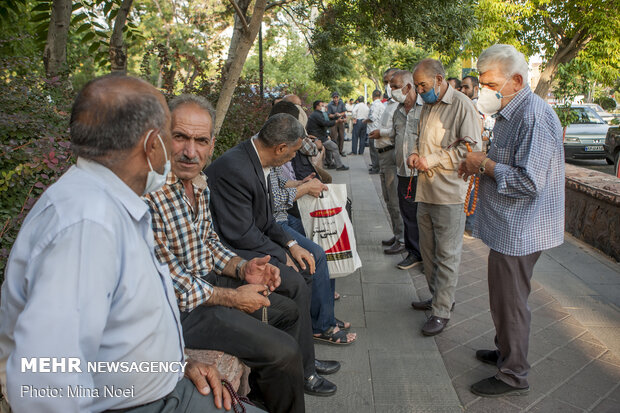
(387,126)
(82,281)
(360,111)
(376,111)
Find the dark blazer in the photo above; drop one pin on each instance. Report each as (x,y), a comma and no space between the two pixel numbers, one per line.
(240,206)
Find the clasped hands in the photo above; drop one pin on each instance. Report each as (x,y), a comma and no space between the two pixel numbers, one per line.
(471,165)
(262,278)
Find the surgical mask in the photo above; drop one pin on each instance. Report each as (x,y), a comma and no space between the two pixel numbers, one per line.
(388,90)
(155,181)
(430,96)
(490,101)
(323,109)
(398,95)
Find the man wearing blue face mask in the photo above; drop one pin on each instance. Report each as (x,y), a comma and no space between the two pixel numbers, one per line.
(521,209)
(447,121)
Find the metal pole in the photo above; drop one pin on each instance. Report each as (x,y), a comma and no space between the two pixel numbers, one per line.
(260,59)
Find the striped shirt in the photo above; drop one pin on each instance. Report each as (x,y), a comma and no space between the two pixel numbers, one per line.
(186,240)
(521,211)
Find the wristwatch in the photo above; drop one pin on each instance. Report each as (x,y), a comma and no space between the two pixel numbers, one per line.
(238,268)
(482,164)
(290,244)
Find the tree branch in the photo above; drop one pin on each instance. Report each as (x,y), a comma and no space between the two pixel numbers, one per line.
(240,14)
(276,3)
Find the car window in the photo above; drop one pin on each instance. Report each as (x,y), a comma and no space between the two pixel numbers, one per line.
(586,116)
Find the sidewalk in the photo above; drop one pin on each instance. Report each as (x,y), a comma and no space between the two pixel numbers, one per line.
(574,346)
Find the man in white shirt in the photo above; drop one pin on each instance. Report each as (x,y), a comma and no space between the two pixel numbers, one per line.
(359,115)
(83,286)
(373,123)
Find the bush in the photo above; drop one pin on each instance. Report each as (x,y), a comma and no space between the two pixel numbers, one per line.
(606,103)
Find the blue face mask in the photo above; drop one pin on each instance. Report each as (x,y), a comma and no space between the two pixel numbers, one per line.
(430,96)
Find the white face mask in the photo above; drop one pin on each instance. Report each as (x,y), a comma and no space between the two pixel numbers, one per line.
(490,101)
(388,91)
(398,95)
(155,181)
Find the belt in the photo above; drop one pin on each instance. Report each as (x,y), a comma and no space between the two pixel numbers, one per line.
(387,148)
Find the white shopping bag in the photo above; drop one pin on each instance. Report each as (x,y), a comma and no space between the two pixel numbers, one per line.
(326,222)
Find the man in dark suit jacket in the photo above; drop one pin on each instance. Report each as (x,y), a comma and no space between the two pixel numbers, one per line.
(242,211)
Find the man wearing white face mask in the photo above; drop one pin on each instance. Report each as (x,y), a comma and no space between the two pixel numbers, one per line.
(384,142)
(448,120)
(521,207)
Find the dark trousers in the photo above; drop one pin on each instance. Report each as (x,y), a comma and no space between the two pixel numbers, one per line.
(322,304)
(185,398)
(336,133)
(509,288)
(409,212)
(359,136)
(271,353)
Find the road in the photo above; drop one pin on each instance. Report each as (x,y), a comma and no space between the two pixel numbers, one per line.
(596,165)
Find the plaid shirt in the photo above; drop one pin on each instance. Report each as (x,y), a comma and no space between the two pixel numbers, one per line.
(521,211)
(283,198)
(185,239)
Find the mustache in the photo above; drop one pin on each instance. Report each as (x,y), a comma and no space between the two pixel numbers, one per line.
(183,158)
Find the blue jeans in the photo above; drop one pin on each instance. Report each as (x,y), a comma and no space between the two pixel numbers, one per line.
(359,134)
(469,221)
(322,303)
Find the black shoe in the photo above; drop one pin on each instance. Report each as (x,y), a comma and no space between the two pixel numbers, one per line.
(434,325)
(388,242)
(342,168)
(373,172)
(409,262)
(427,305)
(330,167)
(318,386)
(326,366)
(493,387)
(396,248)
(488,356)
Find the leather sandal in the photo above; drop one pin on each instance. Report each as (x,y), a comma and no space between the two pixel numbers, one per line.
(338,338)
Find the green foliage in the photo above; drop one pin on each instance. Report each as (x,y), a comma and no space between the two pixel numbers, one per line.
(606,103)
(33,143)
(565,114)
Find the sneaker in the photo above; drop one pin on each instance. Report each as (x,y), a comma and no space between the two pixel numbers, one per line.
(409,262)
(493,387)
(342,168)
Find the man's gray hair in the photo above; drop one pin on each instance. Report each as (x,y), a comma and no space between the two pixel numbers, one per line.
(103,120)
(281,128)
(199,101)
(509,60)
(430,67)
(405,75)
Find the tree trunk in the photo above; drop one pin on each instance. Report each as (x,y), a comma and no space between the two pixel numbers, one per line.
(118,57)
(238,33)
(237,57)
(55,52)
(568,49)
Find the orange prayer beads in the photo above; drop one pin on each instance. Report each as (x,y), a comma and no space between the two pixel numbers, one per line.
(473,181)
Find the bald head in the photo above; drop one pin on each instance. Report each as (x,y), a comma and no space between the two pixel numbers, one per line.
(111,114)
(430,68)
(294,99)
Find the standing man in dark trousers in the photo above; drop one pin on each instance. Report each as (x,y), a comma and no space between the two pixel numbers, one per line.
(335,111)
(405,120)
(521,207)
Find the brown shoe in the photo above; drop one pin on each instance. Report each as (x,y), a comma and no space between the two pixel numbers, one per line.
(388,242)
(396,248)
(434,325)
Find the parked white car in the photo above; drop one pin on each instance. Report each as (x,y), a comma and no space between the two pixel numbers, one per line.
(585,137)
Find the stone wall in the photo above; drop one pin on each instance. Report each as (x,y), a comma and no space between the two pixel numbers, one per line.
(593,208)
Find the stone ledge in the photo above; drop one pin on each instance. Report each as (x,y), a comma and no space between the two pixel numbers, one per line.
(593,183)
(593,208)
(230,367)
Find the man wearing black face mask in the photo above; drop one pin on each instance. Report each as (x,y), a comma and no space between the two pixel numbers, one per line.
(447,121)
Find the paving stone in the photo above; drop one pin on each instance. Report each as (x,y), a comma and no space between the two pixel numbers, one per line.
(607,406)
(550,405)
(592,383)
(385,273)
(463,382)
(608,357)
(351,308)
(349,285)
(391,297)
(397,331)
(484,405)
(394,408)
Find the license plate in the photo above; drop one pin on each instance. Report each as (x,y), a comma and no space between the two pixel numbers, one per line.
(598,148)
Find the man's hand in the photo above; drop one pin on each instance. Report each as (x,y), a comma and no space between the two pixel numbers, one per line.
(375,134)
(250,297)
(411,160)
(313,187)
(259,271)
(421,164)
(302,257)
(319,145)
(291,263)
(471,164)
(206,378)
(341,120)
(309,177)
